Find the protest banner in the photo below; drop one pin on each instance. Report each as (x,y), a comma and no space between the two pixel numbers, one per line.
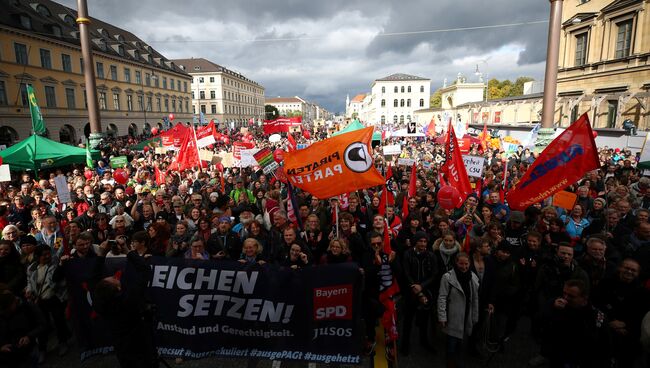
(205,155)
(62,190)
(227,309)
(474,165)
(406,161)
(393,149)
(564,199)
(5,174)
(247,157)
(119,161)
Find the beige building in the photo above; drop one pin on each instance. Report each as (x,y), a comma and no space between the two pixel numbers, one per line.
(354,106)
(297,105)
(222,94)
(603,66)
(137,87)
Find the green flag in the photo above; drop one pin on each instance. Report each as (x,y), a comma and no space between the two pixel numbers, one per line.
(89,157)
(38,125)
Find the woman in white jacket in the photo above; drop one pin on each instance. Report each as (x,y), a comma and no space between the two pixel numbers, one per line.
(458,308)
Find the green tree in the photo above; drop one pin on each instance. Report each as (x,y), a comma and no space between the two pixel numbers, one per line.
(436,99)
(271,112)
(501,89)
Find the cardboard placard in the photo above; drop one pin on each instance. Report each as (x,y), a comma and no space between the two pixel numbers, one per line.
(205,155)
(5,175)
(247,158)
(565,200)
(474,165)
(62,189)
(406,161)
(270,168)
(393,149)
(118,161)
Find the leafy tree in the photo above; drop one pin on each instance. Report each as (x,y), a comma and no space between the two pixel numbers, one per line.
(436,99)
(271,112)
(294,113)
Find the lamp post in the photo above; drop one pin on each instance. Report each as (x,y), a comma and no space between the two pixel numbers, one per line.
(546,133)
(83,21)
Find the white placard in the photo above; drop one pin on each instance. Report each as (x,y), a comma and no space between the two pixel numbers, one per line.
(474,165)
(5,175)
(270,168)
(406,161)
(247,158)
(62,189)
(205,155)
(393,149)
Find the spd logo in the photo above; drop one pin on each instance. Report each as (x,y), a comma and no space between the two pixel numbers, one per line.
(357,158)
(332,303)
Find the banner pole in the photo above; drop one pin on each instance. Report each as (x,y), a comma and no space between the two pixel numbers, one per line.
(197,150)
(336,218)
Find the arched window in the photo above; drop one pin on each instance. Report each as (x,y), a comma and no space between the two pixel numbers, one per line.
(408,89)
(401,119)
(395,102)
(394,119)
(408,118)
(401,103)
(421,89)
(383,89)
(383,119)
(43,10)
(396,89)
(408,102)
(8,135)
(422,102)
(402,89)
(383,103)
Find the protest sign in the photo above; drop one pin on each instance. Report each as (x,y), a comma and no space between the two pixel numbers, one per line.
(62,190)
(205,155)
(247,157)
(119,161)
(406,161)
(564,199)
(228,309)
(5,175)
(393,149)
(474,165)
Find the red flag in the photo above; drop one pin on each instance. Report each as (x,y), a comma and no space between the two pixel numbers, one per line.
(292,143)
(160,177)
(467,242)
(454,167)
(389,172)
(431,129)
(484,137)
(188,155)
(410,194)
(562,163)
(205,135)
(292,207)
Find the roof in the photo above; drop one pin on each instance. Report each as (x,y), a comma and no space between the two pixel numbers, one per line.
(282,100)
(401,77)
(202,66)
(618,4)
(578,18)
(55,21)
(359,98)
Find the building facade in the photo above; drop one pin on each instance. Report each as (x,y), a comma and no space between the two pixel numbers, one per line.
(603,66)
(137,87)
(222,94)
(294,106)
(354,106)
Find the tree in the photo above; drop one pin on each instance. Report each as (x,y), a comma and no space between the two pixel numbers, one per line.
(505,88)
(294,113)
(271,112)
(436,99)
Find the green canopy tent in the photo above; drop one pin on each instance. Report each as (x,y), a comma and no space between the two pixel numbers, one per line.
(356,125)
(38,152)
(155,141)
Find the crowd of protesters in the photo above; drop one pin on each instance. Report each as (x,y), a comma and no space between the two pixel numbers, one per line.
(580,275)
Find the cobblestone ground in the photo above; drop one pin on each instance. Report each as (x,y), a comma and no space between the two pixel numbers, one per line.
(519,349)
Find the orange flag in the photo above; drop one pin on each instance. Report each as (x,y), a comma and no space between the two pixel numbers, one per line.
(334,166)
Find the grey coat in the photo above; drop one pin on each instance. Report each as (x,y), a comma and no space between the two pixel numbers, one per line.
(451,305)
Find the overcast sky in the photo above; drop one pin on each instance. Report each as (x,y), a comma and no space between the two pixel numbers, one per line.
(322,50)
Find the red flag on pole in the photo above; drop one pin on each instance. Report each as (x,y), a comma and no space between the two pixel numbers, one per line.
(572,154)
(292,143)
(484,137)
(160,177)
(411,192)
(454,167)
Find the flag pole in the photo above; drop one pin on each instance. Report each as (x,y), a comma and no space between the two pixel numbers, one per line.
(197,149)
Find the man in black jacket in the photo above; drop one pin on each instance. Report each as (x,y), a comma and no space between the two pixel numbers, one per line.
(420,270)
(20,324)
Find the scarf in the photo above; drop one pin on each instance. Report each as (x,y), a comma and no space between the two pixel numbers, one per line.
(464,278)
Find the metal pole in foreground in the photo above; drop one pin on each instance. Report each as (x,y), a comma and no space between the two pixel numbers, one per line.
(83,21)
(546,133)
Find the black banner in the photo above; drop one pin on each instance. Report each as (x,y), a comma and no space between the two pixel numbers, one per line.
(226,309)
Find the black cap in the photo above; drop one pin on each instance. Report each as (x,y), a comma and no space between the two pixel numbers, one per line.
(420,235)
(28,239)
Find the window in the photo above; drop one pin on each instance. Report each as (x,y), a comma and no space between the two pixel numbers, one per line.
(50,96)
(171,83)
(408,89)
(201,95)
(147,79)
(3,94)
(383,119)
(396,89)
(100,70)
(401,119)
(127,75)
(383,89)
(211,79)
(574,113)
(148,103)
(187,106)
(180,106)
(213,95)
(408,102)
(624,38)
(81,65)
(23,94)
(129,102)
(46,59)
(581,49)
(113,72)
(26,22)
(85,99)
(156,81)
(69,20)
(612,111)
(102,100)
(43,10)
(184,86)
(21,53)
(421,89)
(395,103)
(158,105)
(166,105)
(401,103)
(422,102)
(116,101)
(193,109)
(200,79)
(174,105)
(395,117)
(66,63)
(203,109)
(164,83)
(140,103)
(383,103)
(178,86)
(402,90)
(408,118)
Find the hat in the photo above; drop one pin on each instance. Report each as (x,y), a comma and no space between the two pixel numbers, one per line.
(420,235)
(517,216)
(28,239)
(214,194)
(225,219)
(504,246)
(601,200)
